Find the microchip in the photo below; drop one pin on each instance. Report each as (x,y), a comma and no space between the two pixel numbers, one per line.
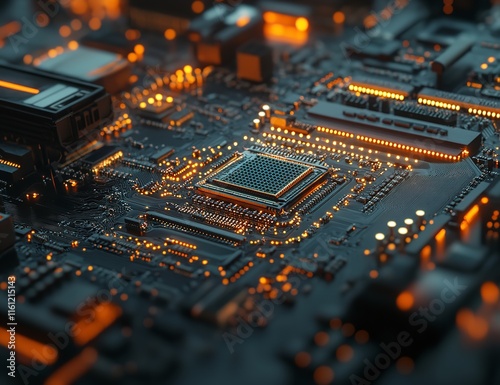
(263,180)
(261,174)
(40,109)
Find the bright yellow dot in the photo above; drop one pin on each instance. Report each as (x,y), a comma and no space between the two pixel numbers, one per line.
(302,24)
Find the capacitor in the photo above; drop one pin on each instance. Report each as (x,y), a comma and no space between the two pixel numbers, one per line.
(409,225)
(392,228)
(267,111)
(420,219)
(403,233)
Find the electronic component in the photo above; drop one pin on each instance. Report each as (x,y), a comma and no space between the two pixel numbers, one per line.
(470,104)
(41,109)
(218,32)
(8,237)
(161,154)
(16,161)
(262,181)
(453,53)
(101,156)
(411,136)
(254,62)
(91,65)
(151,15)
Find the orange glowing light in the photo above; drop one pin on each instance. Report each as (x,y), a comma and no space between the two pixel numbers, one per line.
(197,6)
(65,31)
(105,315)
(302,24)
(76,24)
(490,293)
(469,217)
(73,45)
(405,301)
(373,274)
(139,49)
(95,24)
(242,21)
(338,17)
(18,87)
(344,353)
(73,369)
(170,34)
(9,29)
(30,349)
(132,57)
(323,375)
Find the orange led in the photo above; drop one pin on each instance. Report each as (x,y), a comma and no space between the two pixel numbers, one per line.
(73,45)
(170,34)
(139,49)
(95,24)
(338,17)
(490,293)
(302,24)
(65,31)
(197,6)
(30,349)
(405,301)
(18,87)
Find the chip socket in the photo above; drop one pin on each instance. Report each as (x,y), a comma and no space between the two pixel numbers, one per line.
(261,180)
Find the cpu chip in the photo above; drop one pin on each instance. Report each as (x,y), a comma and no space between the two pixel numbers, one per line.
(263,181)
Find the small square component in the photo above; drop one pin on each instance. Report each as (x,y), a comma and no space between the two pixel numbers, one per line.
(263,181)
(107,69)
(254,62)
(263,175)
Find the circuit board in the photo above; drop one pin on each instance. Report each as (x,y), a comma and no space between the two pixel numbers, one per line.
(249,192)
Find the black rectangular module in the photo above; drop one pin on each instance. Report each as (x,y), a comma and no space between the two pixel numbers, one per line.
(107,69)
(456,102)
(399,135)
(162,15)
(100,155)
(38,108)
(161,154)
(382,88)
(197,229)
(16,161)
